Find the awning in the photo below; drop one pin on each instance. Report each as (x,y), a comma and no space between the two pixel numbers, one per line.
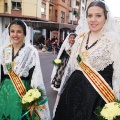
(67,26)
(50,25)
(16,0)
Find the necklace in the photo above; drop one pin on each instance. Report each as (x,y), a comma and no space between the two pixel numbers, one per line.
(88,42)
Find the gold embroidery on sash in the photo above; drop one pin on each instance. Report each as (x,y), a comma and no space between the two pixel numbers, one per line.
(16,80)
(98,83)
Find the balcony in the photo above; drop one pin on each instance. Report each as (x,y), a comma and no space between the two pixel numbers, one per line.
(16,12)
(73,22)
(43,16)
(52,2)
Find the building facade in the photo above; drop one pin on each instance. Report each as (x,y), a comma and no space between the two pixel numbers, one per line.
(47,17)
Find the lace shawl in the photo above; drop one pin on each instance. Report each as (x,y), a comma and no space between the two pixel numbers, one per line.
(27,58)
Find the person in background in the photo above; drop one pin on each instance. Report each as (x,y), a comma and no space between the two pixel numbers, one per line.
(48,44)
(93,72)
(41,41)
(60,42)
(53,39)
(24,62)
(64,55)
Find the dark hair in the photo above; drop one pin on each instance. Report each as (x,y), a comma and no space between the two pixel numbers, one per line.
(18,22)
(99,4)
(74,34)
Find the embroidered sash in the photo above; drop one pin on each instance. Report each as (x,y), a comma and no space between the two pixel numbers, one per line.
(16,80)
(96,80)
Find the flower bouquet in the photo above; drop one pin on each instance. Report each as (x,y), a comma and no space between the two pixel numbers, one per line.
(57,62)
(111,111)
(33,101)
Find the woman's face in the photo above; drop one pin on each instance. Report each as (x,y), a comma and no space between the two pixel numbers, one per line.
(71,39)
(16,34)
(96,18)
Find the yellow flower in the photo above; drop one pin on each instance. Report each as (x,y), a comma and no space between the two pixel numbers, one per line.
(36,94)
(24,100)
(31,95)
(30,99)
(111,110)
(57,61)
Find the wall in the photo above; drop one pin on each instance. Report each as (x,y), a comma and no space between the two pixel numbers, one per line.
(59,9)
(31,8)
(63,4)
(1,6)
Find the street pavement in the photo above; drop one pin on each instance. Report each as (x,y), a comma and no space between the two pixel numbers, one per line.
(47,66)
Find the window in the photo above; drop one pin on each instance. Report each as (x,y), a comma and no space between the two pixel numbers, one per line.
(62,17)
(6,7)
(43,9)
(83,1)
(56,15)
(16,5)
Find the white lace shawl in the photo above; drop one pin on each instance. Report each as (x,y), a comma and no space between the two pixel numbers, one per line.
(27,58)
